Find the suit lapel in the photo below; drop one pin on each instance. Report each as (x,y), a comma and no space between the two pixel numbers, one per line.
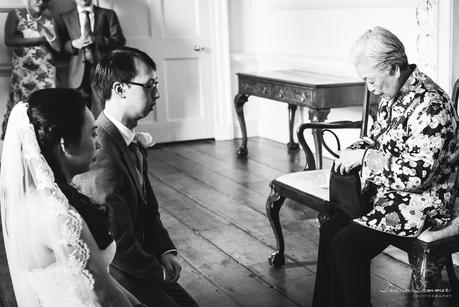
(97,19)
(75,19)
(116,137)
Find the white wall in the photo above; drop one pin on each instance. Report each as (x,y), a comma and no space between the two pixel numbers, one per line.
(316,35)
(455,41)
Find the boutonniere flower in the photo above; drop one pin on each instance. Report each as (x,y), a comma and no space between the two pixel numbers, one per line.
(145,139)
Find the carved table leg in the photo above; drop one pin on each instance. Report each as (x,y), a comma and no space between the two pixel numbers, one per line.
(273,206)
(292,146)
(239,101)
(318,115)
(426,273)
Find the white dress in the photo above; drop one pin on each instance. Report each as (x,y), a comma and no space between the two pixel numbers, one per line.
(66,282)
(57,285)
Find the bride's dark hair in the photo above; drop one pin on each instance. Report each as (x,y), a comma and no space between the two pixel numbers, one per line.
(59,114)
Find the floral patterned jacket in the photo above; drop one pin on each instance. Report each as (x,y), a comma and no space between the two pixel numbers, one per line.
(409,166)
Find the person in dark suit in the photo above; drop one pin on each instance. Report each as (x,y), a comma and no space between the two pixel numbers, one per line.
(146,259)
(90,32)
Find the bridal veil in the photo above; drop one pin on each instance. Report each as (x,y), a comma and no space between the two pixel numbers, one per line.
(32,205)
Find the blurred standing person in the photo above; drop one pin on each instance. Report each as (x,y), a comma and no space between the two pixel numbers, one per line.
(31,34)
(91,31)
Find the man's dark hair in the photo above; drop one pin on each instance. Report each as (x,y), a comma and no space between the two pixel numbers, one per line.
(118,65)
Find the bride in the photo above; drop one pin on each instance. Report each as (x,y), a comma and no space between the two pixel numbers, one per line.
(57,240)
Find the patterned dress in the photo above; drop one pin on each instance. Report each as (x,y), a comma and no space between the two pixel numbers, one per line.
(410,160)
(32,67)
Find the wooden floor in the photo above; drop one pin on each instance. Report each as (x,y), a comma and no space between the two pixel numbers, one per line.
(213,204)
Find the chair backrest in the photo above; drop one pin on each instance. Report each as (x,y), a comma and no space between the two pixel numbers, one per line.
(455,94)
(320,128)
(365,112)
(455,99)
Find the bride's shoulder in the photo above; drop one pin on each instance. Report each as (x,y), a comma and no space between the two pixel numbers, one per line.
(48,212)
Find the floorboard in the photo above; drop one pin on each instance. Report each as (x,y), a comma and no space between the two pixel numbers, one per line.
(213,204)
(224,270)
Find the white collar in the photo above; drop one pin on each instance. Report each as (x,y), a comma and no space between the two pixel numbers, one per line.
(127,134)
(90,9)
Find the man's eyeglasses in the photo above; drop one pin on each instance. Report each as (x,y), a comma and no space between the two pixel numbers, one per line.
(149,86)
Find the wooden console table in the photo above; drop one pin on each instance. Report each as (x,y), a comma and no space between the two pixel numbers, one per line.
(318,92)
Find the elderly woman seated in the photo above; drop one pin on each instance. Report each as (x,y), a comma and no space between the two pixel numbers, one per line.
(408,165)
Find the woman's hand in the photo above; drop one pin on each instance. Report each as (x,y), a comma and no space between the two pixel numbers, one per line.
(348,160)
(46,29)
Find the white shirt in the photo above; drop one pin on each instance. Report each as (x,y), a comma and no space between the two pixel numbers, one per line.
(128,136)
(82,16)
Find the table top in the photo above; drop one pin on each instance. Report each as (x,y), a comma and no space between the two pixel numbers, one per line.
(312,79)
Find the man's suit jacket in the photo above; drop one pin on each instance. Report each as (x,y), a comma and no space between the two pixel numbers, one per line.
(135,222)
(107,36)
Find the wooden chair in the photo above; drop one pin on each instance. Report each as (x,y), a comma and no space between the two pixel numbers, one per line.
(427,258)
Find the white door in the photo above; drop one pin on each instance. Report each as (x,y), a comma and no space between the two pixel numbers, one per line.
(176,33)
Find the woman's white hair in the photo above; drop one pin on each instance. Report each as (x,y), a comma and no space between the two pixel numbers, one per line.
(380,49)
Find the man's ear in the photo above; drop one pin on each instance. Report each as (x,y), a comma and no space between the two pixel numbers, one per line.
(118,88)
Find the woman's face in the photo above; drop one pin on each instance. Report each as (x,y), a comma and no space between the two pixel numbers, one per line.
(37,6)
(83,153)
(380,83)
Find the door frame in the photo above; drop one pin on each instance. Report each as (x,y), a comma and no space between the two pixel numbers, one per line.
(221,73)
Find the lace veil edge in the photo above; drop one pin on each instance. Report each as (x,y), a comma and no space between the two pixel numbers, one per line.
(24,175)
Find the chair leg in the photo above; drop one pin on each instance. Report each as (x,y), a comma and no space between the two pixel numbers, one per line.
(273,206)
(426,273)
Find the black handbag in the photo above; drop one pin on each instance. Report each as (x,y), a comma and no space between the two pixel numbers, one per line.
(345,193)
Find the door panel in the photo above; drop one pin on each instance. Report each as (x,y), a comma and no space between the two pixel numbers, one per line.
(179,22)
(185,110)
(181,104)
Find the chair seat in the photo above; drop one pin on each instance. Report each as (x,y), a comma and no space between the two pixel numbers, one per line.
(314,182)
